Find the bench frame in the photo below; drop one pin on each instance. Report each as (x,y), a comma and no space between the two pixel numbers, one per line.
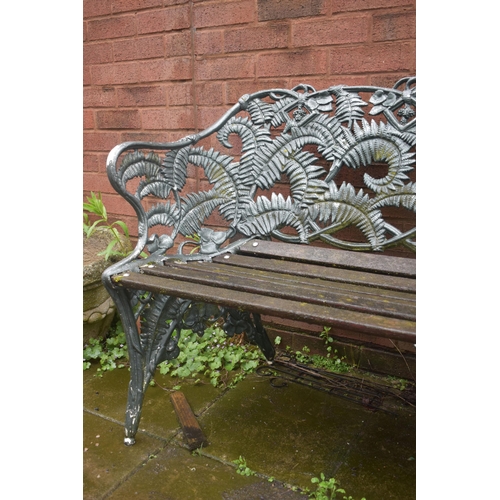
(287,183)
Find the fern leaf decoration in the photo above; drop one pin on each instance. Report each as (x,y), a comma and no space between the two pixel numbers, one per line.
(348,105)
(156,334)
(164,214)
(327,130)
(252,138)
(279,113)
(345,207)
(149,320)
(405,196)
(260,112)
(153,187)
(272,159)
(265,216)
(196,207)
(218,169)
(136,164)
(374,143)
(301,171)
(174,168)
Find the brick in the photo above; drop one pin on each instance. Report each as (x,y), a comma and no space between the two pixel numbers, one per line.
(351,5)
(373,58)
(112,74)
(223,68)
(208,115)
(94,8)
(144,136)
(97,53)
(112,27)
(178,69)
(97,182)
(84,32)
(172,118)
(141,96)
(90,162)
(326,81)
(234,90)
(139,48)
(128,5)
(99,97)
(87,77)
(178,44)
(100,141)
(209,42)
(269,10)
(173,18)
(224,13)
(388,80)
(331,32)
(169,3)
(210,93)
(270,36)
(180,94)
(307,62)
(88,119)
(394,27)
(165,70)
(118,119)
(116,205)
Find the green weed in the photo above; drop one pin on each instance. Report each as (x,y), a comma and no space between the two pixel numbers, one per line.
(111,352)
(119,245)
(242,467)
(223,360)
(327,489)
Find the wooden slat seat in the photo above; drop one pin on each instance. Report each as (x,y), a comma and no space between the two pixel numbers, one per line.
(265,287)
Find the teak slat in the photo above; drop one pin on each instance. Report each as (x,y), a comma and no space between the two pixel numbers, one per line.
(335,274)
(373,324)
(397,266)
(295,289)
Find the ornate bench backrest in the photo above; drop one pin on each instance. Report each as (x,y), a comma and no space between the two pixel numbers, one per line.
(294,178)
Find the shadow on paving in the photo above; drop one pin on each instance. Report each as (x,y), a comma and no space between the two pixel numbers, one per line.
(287,435)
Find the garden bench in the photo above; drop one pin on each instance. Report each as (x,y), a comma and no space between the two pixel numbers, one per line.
(299,222)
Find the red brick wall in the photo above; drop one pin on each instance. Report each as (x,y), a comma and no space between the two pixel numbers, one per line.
(157,70)
(160,69)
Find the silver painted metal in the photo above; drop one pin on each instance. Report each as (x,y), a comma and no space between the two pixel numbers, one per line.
(300,141)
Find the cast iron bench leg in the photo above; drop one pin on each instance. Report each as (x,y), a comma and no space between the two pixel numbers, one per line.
(134,403)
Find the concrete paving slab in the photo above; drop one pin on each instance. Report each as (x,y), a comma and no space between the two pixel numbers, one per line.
(291,434)
(107,462)
(107,396)
(294,433)
(176,474)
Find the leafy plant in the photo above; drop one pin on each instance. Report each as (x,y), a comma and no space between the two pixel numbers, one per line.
(242,468)
(327,489)
(118,245)
(223,360)
(331,362)
(110,352)
(399,383)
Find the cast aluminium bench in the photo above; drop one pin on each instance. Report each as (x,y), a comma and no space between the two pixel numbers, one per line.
(292,224)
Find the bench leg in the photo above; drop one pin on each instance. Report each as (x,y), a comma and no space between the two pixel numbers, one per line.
(161,316)
(134,404)
(262,339)
(250,323)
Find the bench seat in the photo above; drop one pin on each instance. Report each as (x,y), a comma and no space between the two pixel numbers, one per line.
(372,294)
